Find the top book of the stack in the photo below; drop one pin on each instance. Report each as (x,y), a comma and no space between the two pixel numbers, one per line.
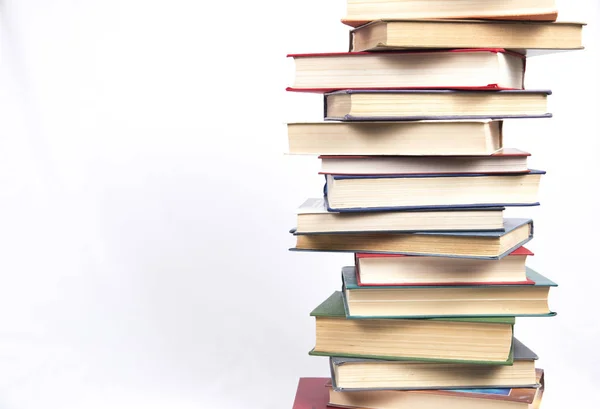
(525,26)
(360,12)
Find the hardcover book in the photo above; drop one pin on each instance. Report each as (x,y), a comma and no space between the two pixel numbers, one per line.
(359,12)
(503,161)
(400,270)
(483,300)
(318,393)
(416,105)
(475,340)
(525,37)
(355,374)
(496,398)
(475,69)
(482,245)
(313,217)
(434,191)
(415,138)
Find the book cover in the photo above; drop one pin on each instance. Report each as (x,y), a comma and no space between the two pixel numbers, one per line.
(424,160)
(498,154)
(439,175)
(520,353)
(319,206)
(536,29)
(426,117)
(522,395)
(521,251)
(333,307)
(313,393)
(482,87)
(510,224)
(349,282)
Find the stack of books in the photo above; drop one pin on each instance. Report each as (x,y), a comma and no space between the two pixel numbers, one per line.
(417,181)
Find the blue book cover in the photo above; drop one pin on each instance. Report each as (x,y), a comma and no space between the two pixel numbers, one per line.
(437,244)
(318,206)
(329,179)
(437,95)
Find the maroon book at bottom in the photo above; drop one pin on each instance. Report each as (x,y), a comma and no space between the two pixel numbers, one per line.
(314,393)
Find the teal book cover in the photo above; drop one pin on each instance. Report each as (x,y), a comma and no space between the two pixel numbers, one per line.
(481,300)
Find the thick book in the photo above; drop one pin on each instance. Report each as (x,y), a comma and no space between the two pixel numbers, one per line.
(355,374)
(475,69)
(359,12)
(481,245)
(436,191)
(525,37)
(507,160)
(399,270)
(415,138)
(442,301)
(416,105)
(492,398)
(315,393)
(313,217)
(476,340)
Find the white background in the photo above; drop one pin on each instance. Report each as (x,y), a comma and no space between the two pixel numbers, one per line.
(145,201)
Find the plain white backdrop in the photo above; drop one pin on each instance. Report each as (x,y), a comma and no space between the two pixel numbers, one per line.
(145,200)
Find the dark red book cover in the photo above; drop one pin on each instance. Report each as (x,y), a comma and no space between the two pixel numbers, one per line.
(312,393)
(521,251)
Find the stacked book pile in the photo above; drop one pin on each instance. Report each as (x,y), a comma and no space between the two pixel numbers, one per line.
(417,182)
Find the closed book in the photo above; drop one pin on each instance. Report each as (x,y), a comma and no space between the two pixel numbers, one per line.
(477,340)
(356,374)
(359,12)
(313,217)
(399,270)
(437,191)
(417,105)
(492,398)
(417,138)
(482,245)
(474,69)
(507,160)
(318,393)
(526,37)
(480,300)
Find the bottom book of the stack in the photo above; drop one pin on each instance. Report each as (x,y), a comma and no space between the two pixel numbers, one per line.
(318,393)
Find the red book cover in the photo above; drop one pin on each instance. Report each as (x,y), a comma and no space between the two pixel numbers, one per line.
(521,251)
(483,87)
(312,393)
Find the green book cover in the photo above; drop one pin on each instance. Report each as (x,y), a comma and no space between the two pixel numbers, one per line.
(334,307)
(509,361)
